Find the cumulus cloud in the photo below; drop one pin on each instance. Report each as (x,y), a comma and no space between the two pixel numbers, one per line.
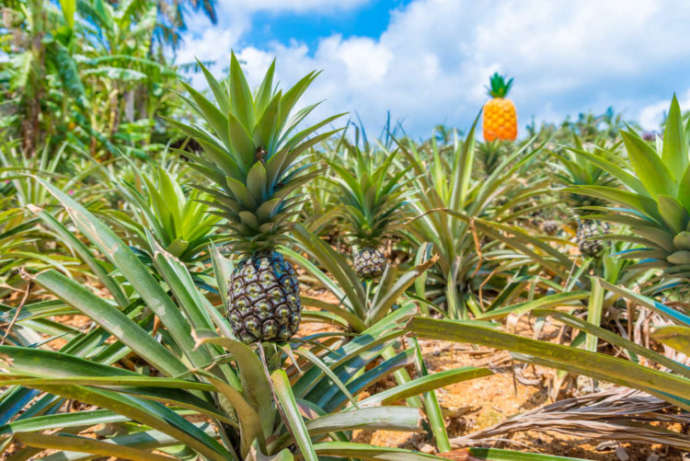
(432,62)
(651,115)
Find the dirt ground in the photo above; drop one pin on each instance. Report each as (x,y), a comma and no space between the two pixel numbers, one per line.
(477,404)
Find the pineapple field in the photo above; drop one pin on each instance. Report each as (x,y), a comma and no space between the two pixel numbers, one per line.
(218,271)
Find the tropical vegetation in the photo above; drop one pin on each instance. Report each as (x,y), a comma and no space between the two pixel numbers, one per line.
(211,273)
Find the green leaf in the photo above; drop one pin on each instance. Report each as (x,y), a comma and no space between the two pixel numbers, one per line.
(240,95)
(288,404)
(676,336)
(87,445)
(674,214)
(594,311)
(662,309)
(263,93)
(649,168)
(623,176)
(219,92)
(638,202)
(496,454)
(242,143)
(255,385)
(347,280)
(349,319)
(675,149)
(180,282)
(251,430)
(255,454)
(328,372)
(386,418)
(68,8)
(217,121)
(112,320)
(370,452)
(684,189)
(462,169)
(424,384)
(265,134)
(241,193)
(558,299)
(85,254)
(150,413)
(674,389)
(434,413)
(614,339)
(68,71)
(62,421)
(256,182)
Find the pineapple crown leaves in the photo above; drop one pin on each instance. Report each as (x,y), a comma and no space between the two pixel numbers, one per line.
(498,86)
(372,194)
(253,151)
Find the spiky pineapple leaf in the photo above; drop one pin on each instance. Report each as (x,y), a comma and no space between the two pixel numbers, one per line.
(649,167)
(675,148)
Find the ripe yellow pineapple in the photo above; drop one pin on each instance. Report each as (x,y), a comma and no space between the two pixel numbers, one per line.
(500,118)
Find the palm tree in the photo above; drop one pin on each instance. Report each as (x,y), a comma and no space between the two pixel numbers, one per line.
(171,17)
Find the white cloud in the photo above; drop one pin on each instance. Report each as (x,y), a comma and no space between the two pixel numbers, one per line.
(651,115)
(433,61)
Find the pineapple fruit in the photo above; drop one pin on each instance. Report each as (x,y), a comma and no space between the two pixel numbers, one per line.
(587,229)
(500,118)
(253,159)
(263,299)
(369,262)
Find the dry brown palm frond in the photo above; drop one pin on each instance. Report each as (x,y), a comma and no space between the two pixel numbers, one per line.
(614,414)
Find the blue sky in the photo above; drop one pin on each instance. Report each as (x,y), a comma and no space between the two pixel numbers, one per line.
(428,61)
(370,19)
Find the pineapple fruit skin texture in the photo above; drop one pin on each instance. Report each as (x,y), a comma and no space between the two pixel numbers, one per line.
(369,263)
(587,229)
(263,299)
(499,120)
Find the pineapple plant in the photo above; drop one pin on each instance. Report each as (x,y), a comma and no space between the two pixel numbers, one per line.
(654,201)
(176,215)
(373,197)
(253,159)
(500,118)
(244,398)
(573,172)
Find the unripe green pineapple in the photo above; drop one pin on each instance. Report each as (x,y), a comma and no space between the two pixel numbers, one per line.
(253,157)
